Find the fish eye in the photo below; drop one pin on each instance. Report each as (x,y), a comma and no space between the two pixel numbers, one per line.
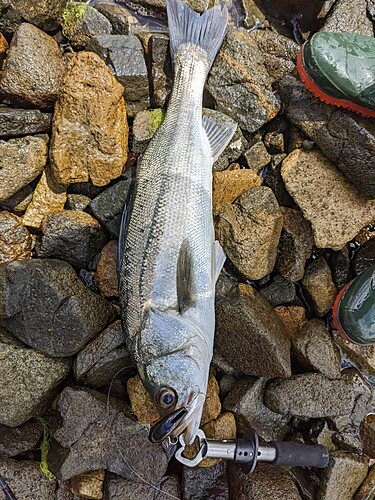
(166,398)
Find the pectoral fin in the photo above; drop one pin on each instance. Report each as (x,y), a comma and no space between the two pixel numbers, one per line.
(186,290)
(218,136)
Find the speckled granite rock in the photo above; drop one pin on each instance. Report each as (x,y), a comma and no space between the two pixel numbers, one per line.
(15,240)
(318,284)
(26,480)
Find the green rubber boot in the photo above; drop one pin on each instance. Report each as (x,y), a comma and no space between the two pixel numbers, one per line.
(339,69)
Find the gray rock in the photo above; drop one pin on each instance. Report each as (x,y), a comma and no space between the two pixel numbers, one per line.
(33,69)
(245,401)
(210,483)
(274,180)
(265,483)
(362,400)
(77,202)
(280,291)
(81,22)
(21,161)
(343,476)
(15,240)
(117,488)
(116,15)
(73,236)
(249,334)
(339,262)
(14,441)
(364,258)
(102,358)
(94,436)
(54,312)
(371,8)
(145,124)
(314,349)
(29,381)
(64,492)
(26,480)
(347,140)
(346,15)
(240,83)
(161,68)
(318,284)
(310,395)
(16,121)
(295,245)
(249,231)
(123,54)
(257,155)
(46,14)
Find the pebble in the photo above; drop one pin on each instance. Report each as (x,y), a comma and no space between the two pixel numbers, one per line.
(249,231)
(15,122)
(89,485)
(26,480)
(17,440)
(257,156)
(16,242)
(318,284)
(348,17)
(145,124)
(210,483)
(280,291)
(292,317)
(228,185)
(89,141)
(33,69)
(21,161)
(106,271)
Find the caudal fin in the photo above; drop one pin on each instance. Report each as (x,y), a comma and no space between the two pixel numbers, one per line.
(206,30)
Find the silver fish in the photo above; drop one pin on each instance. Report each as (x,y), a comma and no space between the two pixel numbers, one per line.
(169,260)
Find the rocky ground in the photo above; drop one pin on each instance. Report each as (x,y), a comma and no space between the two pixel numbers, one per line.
(82,92)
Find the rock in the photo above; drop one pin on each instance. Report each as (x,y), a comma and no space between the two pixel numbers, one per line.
(26,480)
(345,16)
(240,84)
(29,381)
(274,142)
(120,19)
(45,14)
(292,317)
(54,312)
(367,489)
(228,185)
(362,400)
(367,433)
(251,13)
(73,236)
(314,349)
(102,358)
(343,476)
(210,483)
(371,8)
(89,130)
(340,267)
(89,484)
(141,402)
(265,483)
(145,124)
(161,68)
(21,160)
(96,437)
(245,401)
(17,440)
(33,70)
(249,335)
(63,491)
(348,141)
(212,404)
(19,202)
(117,488)
(364,258)
(17,122)
(123,54)
(295,245)
(280,291)
(106,271)
(77,202)
(362,356)
(309,395)
(318,284)
(249,231)
(80,22)
(15,240)
(274,181)
(257,156)
(48,198)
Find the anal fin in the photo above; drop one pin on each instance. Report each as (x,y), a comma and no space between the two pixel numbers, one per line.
(218,135)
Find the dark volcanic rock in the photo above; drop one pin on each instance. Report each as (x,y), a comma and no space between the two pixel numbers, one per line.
(16,121)
(26,480)
(280,291)
(19,439)
(340,266)
(319,286)
(45,304)
(210,483)
(46,14)
(365,257)
(96,437)
(117,488)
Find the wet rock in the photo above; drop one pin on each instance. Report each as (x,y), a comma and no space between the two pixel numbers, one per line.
(106,272)
(362,356)
(280,291)
(257,156)
(245,401)
(29,381)
(48,198)
(249,231)
(101,359)
(251,13)
(314,349)
(212,404)
(309,395)
(81,22)
(89,141)
(367,433)
(15,240)
(16,121)
(265,483)
(89,484)
(362,400)
(21,160)
(26,480)
(367,489)
(340,267)
(117,488)
(292,317)
(94,437)
(346,16)
(295,245)
(73,236)
(77,202)
(145,125)
(210,483)
(319,286)
(249,335)
(240,83)
(123,54)
(14,441)
(347,140)
(161,68)
(54,312)
(228,185)
(141,402)
(364,258)
(343,476)
(33,70)
(119,18)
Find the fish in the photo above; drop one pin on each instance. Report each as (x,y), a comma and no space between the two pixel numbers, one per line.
(168,260)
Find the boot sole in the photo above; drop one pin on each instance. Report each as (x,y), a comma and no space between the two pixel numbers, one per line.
(320,94)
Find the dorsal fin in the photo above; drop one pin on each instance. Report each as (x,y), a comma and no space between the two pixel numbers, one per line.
(218,136)
(185,278)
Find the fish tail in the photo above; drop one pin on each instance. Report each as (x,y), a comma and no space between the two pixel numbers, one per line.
(206,30)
